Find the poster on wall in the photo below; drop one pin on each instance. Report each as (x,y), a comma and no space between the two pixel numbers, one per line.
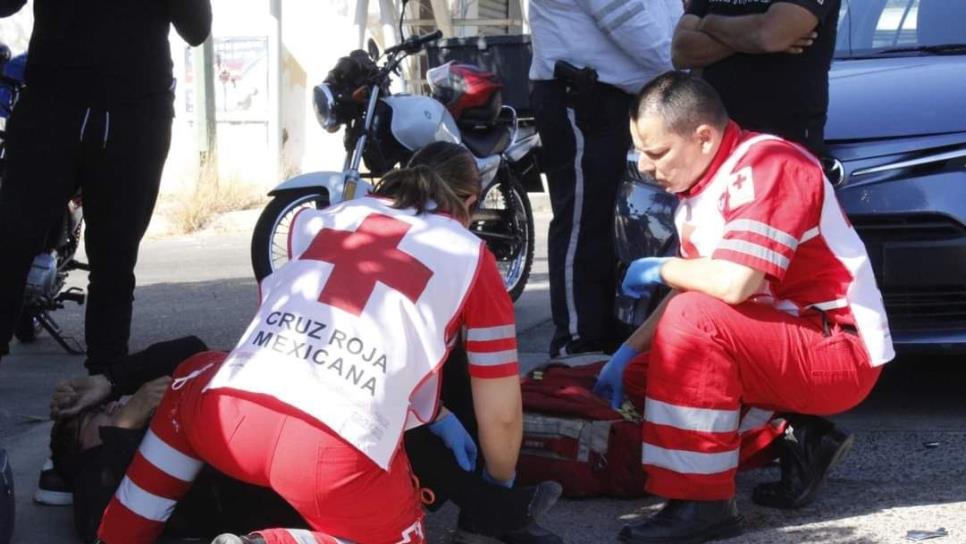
(241,79)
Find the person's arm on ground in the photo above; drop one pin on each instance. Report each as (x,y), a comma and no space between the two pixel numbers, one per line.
(76,394)
(192,19)
(157,360)
(783,27)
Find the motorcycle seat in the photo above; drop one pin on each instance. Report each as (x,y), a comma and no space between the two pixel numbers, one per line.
(487,141)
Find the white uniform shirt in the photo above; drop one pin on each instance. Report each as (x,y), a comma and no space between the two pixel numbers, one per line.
(628,42)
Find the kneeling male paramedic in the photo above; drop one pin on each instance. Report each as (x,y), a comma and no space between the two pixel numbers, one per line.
(774,308)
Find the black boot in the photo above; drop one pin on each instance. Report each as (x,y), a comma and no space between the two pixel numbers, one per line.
(811,447)
(544,496)
(686,522)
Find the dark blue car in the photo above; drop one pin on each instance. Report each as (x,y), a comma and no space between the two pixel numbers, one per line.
(896,137)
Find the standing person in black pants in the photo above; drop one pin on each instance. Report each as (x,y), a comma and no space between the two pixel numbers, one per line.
(95,115)
(585,134)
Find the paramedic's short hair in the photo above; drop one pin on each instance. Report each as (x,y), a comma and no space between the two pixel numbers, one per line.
(683,101)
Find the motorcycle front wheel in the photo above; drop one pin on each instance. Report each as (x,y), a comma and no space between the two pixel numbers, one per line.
(504,220)
(270,239)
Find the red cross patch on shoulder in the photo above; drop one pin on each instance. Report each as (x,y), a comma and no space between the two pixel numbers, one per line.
(741,188)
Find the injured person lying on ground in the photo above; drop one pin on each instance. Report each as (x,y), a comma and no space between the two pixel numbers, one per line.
(397,271)
(97,432)
(773,309)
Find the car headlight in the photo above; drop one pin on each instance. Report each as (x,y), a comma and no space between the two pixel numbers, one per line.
(325,108)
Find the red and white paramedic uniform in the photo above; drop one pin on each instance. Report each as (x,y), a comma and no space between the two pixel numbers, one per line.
(342,357)
(717,370)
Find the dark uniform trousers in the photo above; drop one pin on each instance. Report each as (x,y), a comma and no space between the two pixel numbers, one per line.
(585,143)
(115,156)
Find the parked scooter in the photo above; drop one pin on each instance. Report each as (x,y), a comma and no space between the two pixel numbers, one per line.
(44,291)
(384,130)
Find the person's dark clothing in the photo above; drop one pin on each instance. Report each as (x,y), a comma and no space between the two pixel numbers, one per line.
(102,53)
(585,143)
(217,504)
(95,116)
(115,157)
(493,509)
(778,93)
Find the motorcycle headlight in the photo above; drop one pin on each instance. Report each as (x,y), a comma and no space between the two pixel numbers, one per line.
(325,108)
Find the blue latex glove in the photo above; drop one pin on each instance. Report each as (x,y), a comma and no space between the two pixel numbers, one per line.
(641,275)
(454,435)
(493,481)
(610,382)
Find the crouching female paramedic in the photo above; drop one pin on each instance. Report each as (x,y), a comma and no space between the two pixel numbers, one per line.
(343,355)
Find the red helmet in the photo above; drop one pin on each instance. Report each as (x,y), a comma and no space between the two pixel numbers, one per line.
(462,87)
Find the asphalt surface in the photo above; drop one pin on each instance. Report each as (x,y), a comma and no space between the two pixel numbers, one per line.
(907,470)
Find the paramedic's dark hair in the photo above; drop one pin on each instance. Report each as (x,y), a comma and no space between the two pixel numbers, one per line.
(442,173)
(682,100)
(452,162)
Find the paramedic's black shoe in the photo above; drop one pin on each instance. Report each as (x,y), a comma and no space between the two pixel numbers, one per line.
(686,522)
(809,450)
(234,539)
(52,488)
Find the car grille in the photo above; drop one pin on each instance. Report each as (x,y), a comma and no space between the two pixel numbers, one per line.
(925,310)
(916,309)
(875,229)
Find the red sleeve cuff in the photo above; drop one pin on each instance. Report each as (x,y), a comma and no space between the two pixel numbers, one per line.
(494,371)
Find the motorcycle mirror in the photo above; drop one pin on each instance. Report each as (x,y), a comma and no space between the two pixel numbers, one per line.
(402,14)
(373,49)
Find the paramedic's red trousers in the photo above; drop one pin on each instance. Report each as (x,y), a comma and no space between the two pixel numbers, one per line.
(709,360)
(336,489)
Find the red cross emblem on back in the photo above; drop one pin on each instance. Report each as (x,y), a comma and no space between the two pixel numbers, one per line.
(363,257)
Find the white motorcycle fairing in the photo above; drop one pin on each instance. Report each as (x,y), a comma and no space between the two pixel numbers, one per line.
(420,120)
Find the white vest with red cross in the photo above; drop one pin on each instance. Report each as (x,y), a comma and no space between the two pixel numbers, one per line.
(826,265)
(351,329)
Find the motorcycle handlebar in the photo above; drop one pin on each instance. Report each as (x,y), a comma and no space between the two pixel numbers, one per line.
(415,43)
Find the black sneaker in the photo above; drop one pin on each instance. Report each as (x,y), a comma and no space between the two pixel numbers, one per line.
(52,489)
(810,449)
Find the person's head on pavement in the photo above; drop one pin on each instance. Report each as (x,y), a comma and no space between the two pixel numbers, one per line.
(677,124)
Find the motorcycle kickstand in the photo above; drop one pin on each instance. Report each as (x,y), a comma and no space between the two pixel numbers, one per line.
(70,345)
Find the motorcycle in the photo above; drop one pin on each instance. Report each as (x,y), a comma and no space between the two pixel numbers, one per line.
(44,291)
(383,130)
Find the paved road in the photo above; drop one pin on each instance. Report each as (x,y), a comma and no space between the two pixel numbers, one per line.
(891,482)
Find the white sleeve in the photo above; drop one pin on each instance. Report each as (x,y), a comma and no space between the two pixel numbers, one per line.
(641,28)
